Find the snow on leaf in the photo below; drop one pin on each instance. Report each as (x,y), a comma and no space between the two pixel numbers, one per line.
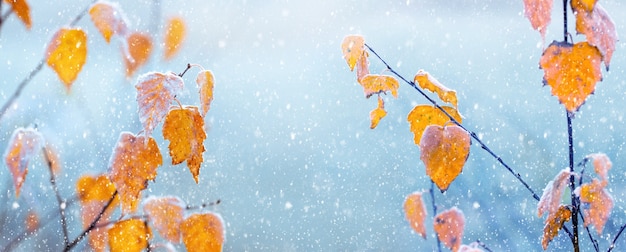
(205,82)
(32,221)
(129,235)
(109,19)
(538,12)
(554,223)
(203,232)
(572,71)
(415,212)
(362,67)
(94,192)
(66,54)
(449,227)
(596,204)
(585,5)
(378,113)
(599,29)
(23,145)
(136,51)
(22,10)
(444,151)
(551,198)
(134,161)
(165,214)
(426,81)
(601,164)
(352,48)
(423,115)
(378,83)
(155,93)
(184,128)
(174,36)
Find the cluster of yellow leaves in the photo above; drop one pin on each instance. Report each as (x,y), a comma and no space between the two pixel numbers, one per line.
(23,145)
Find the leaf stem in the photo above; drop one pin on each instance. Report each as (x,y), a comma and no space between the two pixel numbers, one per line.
(62,203)
(183,73)
(572,182)
(565,21)
(204,205)
(92,225)
(432,201)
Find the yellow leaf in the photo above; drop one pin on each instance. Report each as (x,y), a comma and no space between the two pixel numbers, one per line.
(174,36)
(203,232)
(377,113)
(551,197)
(23,145)
(538,12)
(444,151)
(449,227)
(66,54)
(583,5)
(205,82)
(184,128)
(596,204)
(598,28)
(22,10)
(94,193)
(155,93)
(165,214)
(136,52)
(554,223)
(415,212)
(352,48)
(89,188)
(109,19)
(376,83)
(428,82)
(572,71)
(129,235)
(424,115)
(134,161)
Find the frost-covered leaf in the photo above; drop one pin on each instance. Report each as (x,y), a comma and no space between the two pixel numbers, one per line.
(109,19)
(596,204)
(551,198)
(554,223)
(203,232)
(22,10)
(362,67)
(538,12)
(67,53)
(129,236)
(444,151)
(585,5)
(175,32)
(598,27)
(134,161)
(449,227)
(165,214)
(23,145)
(571,71)
(426,81)
(378,113)
(205,82)
(601,165)
(94,192)
(378,83)
(155,92)
(415,212)
(424,115)
(352,48)
(184,128)
(136,51)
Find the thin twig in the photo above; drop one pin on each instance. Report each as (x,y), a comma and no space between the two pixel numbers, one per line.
(60,200)
(593,240)
(204,205)
(572,183)
(432,201)
(183,73)
(92,225)
(621,229)
(483,245)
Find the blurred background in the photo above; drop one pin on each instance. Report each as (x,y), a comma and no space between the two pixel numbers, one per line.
(289,151)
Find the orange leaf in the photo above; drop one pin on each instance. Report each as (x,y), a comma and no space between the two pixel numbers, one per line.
(94,193)
(89,188)
(598,28)
(109,19)
(352,48)
(32,221)
(129,235)
(585,5)
(572,71)
(444,151)
(538,12)
(596,204)
(22,10)
(429,83)
(52,157)
(155,93)
(165,214)
(449,227)
(551,198)
(554,223)
(174,36)
(601,164)
(136,51)
(134,161)
(205,82)
(66,54)
(184,128)
(22,147)
(362,67)
(378,113)
(203,232)
(415,212)
(424,115)
(376,83)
